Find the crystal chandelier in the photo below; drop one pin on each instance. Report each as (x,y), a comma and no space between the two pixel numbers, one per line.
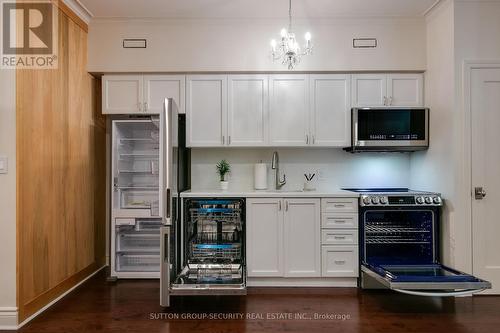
(288,50)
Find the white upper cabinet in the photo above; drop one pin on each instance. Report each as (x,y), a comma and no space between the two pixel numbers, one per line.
(206,103)
(302,244)
(122,94)
(248,110)
(139,94)
(289,110)
(330,110)
(264,237)
(369,90)
(393,90)
(159,87)
(405,89)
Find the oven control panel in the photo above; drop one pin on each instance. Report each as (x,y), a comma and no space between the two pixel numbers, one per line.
(400,200)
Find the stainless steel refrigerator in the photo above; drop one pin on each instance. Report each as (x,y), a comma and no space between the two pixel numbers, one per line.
(149,166)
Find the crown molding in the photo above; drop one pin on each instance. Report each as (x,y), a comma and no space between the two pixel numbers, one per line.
(79,9)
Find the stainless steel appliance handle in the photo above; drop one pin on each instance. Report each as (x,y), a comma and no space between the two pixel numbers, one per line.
(439,294)
(165,267)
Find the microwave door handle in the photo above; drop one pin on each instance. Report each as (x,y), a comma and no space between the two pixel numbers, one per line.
(467,292)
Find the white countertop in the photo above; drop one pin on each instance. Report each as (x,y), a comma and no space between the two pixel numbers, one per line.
(268,194)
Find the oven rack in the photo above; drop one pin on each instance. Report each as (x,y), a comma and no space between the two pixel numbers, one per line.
(395,239)
(394,229)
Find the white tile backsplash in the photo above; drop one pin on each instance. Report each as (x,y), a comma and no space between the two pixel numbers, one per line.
(334,168)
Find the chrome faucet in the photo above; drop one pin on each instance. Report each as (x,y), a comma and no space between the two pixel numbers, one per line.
(275,165)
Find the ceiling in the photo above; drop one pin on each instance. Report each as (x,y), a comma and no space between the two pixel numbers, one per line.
(200,9)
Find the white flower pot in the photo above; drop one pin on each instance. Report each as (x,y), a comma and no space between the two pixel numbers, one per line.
(224,185)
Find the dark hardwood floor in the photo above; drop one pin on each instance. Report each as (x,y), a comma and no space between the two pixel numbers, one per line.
(133,306)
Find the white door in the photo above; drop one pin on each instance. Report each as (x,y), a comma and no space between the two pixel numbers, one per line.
(247,110)
(369,90)
(330,110)
(206,102)
(302,233)
(289,110)
(485,156)
(159,87)
(405,90)
(122,94)
(264,228)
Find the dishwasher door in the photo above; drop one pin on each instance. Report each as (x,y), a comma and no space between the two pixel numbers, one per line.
(425,280)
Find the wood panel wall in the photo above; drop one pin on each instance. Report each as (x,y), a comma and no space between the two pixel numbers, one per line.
(60,173)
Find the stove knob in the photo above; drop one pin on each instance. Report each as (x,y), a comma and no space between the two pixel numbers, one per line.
(366,200)
(428,200)
(420,200)
(437,200)
(383,200)
(375,200)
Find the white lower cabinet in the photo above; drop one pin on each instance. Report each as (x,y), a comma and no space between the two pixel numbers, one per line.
(339,237)
(302,238)
(264,228)
(283,237)
(340,261)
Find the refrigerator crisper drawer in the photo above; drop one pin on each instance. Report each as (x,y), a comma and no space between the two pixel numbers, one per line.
(210,280)
(137,262)
(138,242)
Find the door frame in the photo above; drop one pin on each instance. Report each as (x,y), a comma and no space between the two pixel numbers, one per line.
(465,154)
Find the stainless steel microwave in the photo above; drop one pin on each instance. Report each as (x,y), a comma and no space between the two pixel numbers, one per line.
(389,129)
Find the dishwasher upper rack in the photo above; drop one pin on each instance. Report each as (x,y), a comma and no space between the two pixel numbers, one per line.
(222,215)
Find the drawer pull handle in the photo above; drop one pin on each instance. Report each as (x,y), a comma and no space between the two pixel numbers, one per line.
(339,237)
(339,205)
(339,221)
(340,262)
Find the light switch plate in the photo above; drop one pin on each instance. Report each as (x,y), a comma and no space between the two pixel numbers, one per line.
(4,164)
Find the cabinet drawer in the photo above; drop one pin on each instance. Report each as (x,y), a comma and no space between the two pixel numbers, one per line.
(332,205)
(339,261)
(339,220)
(339,237)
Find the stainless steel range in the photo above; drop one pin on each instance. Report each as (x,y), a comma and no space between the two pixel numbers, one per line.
(399,240)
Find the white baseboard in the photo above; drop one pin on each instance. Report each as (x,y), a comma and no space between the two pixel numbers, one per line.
(8,318)
(301,282)
(33,316)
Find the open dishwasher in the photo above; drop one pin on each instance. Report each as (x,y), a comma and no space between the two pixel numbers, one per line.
(212,250)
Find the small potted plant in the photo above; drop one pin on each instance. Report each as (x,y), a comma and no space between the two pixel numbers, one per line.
(223,168)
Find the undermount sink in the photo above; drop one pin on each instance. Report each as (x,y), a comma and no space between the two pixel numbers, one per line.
(285,191)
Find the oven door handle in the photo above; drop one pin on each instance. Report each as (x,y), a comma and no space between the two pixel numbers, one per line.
(467,292)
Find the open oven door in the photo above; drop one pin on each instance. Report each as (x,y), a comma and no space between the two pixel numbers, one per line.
(425,280)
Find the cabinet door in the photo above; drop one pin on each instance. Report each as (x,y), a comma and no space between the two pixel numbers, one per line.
(302,238)
(159,87)
(289,110)
(369,90)
(331,110)
(264,228)
(122,94)
(206,102)
(405,89)
(247,110)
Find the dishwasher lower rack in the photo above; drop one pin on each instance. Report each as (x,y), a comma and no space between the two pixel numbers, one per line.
(205,275)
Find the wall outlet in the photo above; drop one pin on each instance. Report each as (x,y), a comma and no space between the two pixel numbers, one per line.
(4,164)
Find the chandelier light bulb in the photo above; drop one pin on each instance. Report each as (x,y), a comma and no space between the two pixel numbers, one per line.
(308,36)
(283,33)
(273,44)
